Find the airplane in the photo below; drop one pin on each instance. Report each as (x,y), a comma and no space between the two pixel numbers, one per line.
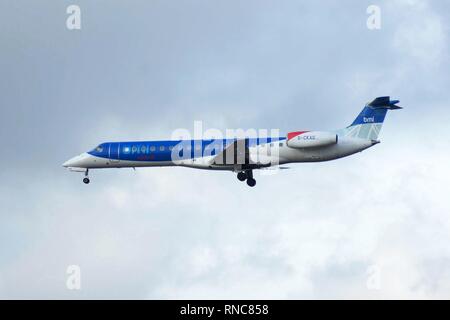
(241,155)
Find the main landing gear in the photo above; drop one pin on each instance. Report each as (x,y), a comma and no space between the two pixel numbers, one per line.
(86,178)
(247,175)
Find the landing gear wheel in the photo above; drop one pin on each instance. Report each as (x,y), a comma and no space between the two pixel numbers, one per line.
(251,182)
(241,176)
(86,180)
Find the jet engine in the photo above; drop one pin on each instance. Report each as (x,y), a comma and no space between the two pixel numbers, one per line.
(311,139)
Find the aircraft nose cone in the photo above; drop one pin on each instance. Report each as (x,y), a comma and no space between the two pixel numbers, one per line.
(68,163)
(81,161)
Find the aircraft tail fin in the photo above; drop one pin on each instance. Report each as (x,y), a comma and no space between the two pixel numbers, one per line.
(368,123)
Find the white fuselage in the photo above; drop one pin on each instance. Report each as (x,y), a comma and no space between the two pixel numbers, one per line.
(244,154)
(264,155)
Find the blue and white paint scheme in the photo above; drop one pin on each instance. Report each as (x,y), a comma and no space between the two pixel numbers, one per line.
(241,155)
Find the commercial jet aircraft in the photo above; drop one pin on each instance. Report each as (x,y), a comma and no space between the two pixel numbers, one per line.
(242,155)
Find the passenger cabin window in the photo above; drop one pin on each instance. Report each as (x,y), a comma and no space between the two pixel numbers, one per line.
(161,148)
(152,148)
(281,144)
(171,148)
(126,150)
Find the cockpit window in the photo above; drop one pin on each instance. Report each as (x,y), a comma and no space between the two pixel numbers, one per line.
(99,149)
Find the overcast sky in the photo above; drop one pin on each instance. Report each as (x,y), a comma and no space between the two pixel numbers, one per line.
(140,69)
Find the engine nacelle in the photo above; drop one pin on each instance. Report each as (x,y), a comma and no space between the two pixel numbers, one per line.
(311,139)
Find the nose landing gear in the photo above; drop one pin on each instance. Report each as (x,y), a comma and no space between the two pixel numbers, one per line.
(86,178)
(247,175)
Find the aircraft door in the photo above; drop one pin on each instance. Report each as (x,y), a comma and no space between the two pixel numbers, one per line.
(114,152)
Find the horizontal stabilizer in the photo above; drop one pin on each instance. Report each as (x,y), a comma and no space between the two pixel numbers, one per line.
(384,103)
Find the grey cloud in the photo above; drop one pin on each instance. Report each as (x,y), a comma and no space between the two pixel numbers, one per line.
(139,70)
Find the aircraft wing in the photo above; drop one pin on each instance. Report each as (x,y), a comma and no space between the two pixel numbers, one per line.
(237,153)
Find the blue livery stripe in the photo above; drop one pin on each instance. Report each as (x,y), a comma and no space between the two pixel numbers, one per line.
(160,151)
